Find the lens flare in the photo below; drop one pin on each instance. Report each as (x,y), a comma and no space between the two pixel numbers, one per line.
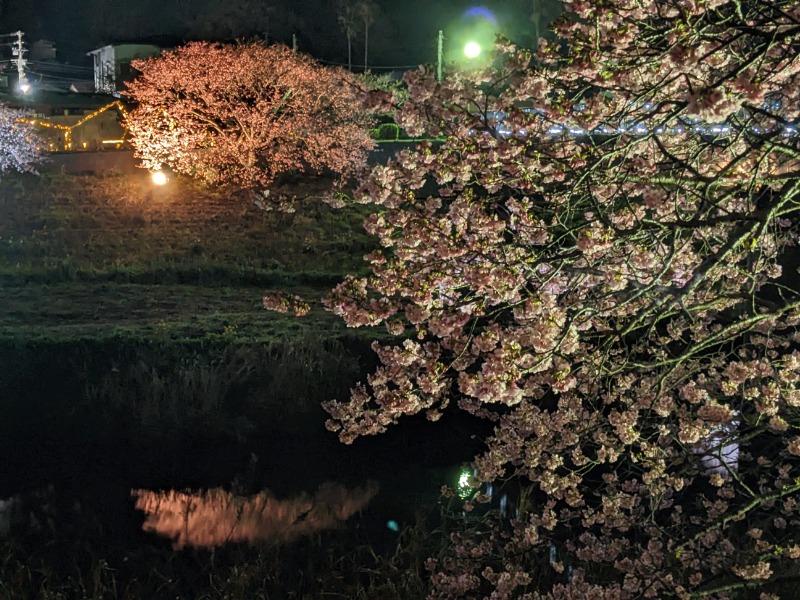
(481,12)
(472,50)
(159,177)
(471,39)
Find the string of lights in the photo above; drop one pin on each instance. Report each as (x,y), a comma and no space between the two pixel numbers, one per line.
(67,129)
(49,124)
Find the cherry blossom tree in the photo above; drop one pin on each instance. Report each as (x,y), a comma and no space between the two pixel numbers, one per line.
(600,258)
(20,144)
(245,114)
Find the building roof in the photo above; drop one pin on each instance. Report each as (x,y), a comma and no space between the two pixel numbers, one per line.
(123,46)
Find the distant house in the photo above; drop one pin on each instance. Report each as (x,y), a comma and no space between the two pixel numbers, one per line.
(112,64)
(73,122)
(45,73)
(42,50)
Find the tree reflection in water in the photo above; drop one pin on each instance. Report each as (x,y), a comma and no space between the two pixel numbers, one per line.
(216,517)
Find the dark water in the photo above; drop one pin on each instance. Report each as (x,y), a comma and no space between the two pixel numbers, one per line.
(71,458)
(67,479)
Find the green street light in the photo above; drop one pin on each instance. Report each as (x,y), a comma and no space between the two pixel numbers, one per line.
(472,50)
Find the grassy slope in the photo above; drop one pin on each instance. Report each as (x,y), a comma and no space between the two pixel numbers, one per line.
(130,328)
(96,257)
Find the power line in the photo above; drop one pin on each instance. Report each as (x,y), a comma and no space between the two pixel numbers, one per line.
(355,66)
(50,76)
(58,66)
(50,66)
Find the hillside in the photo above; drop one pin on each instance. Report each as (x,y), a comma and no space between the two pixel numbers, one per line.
(113,255)
(135,310)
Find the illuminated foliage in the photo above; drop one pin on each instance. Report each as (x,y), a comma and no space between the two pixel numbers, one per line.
(599,271)
(20,145)
(244,114)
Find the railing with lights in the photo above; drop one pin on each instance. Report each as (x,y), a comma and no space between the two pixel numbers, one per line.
(637,128)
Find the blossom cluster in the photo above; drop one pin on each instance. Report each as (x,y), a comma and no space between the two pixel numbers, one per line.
(286,303)
(615,304)
(20,145)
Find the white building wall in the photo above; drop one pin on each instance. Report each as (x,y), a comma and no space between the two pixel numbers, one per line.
(104,70)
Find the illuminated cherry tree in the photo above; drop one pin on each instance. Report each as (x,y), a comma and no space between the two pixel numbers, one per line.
(600,258)
(244,114)
(20,145)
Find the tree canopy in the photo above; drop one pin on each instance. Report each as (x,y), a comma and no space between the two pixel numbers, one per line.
(244,114)
(600,259)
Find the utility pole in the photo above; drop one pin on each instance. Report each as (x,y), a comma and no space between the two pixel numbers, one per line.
(439,56)
(18,50)
(294,42)
(536,19)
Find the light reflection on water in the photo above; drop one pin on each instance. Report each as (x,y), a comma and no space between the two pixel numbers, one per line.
(216,517)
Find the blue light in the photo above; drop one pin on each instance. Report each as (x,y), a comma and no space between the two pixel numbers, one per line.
(481,12)
(688,124)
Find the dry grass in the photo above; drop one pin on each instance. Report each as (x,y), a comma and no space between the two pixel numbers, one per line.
(82,254)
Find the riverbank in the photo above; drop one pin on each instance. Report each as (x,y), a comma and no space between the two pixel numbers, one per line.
(136,355)
(126,302)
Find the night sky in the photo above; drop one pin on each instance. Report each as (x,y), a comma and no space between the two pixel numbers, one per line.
(403,34)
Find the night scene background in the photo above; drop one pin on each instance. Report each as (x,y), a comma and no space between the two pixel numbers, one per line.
(402,34)
(143,377)
(170,427)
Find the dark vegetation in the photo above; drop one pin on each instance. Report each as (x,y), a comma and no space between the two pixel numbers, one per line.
(146,301)
(134,348)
